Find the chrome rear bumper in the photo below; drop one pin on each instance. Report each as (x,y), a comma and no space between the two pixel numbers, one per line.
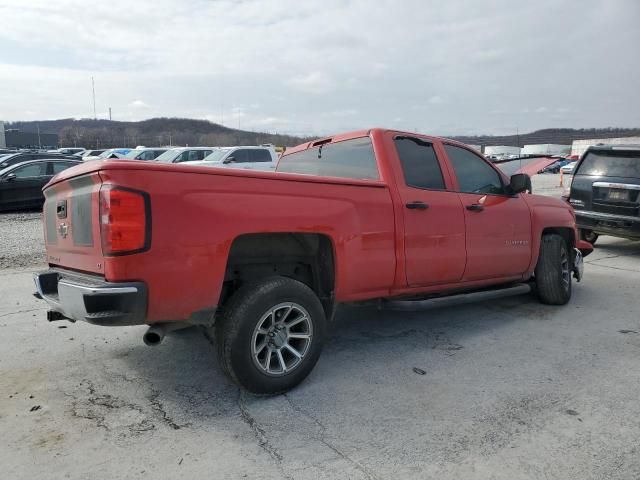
(75,296)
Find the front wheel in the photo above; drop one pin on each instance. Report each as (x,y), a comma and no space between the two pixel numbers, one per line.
(271,335)
(553,271)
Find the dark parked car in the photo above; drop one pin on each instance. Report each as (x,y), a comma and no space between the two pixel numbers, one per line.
(605,192)
(555,166)
(26,156)
(21,184)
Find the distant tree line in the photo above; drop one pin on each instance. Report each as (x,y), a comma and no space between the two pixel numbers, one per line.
(154,132)
(560,136)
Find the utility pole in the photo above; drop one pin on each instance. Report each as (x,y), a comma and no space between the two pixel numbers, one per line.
(39,142)
(93,89)
(109,113)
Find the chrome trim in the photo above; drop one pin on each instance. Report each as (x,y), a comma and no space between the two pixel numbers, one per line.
(627,186)
(598,215)
(578,265)
(97,290)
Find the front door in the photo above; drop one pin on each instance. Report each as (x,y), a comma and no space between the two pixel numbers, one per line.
(25,188)
(434,234)
(498,226)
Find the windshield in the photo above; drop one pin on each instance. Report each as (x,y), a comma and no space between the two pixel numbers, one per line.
(611,164)
(105,154)
(216,155)
(133,153)
(168,156)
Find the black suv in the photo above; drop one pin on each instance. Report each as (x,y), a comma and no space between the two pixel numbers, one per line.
(605,192)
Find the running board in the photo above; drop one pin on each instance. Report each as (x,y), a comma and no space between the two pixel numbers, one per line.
(461,298)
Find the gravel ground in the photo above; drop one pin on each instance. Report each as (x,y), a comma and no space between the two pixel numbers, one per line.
(21,240)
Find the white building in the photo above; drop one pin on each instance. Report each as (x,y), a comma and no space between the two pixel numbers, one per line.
(546,149)
(580,146)
(500,150)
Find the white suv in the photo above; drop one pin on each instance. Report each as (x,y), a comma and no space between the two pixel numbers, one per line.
(185,154)
(255,158)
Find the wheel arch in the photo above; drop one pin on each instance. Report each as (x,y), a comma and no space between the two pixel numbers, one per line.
(307,257)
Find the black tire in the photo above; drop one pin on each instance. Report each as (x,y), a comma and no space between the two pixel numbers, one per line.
(589,235)
(553,271)
(235,333)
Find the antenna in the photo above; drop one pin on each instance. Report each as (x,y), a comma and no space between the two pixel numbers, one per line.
(93,88)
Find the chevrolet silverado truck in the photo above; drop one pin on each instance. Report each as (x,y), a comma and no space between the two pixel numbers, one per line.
(263,258)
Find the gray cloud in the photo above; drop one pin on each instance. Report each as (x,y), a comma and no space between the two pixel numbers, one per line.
(318,67)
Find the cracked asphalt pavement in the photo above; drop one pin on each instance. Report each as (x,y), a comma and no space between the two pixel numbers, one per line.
(503,389)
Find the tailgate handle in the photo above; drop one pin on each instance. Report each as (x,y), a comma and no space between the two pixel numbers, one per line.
(61,209)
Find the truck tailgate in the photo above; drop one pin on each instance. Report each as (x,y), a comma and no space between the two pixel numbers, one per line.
(72,231)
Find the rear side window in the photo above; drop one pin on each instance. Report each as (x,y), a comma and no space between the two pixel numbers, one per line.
(32,170)
(474,174)
(347,159)
(611,164)
(195,155)
(259,155)
(60,166)
(419,163)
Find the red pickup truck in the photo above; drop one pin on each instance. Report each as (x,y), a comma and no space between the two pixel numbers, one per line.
(262,258)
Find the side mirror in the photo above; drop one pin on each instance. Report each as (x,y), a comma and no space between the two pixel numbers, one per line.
(229,160)
(520,182)
(10,178)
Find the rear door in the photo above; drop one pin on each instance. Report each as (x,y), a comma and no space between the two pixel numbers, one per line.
(260,159)
(434,234)
(498,226)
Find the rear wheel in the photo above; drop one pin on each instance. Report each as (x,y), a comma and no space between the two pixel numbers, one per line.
(589,235)
(271,335)
(553,271)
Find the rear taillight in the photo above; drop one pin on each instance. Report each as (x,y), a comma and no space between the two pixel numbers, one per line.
(125,220)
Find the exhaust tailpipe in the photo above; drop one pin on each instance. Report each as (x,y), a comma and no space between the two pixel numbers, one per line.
(154,335)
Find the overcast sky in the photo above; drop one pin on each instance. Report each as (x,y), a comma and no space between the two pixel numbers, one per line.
(317,67)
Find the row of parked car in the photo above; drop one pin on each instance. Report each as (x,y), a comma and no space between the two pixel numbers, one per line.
(564,165)
(23,174)
(261,157)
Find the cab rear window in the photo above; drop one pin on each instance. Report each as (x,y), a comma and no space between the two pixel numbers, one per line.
(610,164)
(347,159)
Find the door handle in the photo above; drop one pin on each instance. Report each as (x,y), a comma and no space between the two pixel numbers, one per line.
(475,207)
(417,206)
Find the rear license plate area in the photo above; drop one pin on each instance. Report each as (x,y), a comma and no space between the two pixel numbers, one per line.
(618,195)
